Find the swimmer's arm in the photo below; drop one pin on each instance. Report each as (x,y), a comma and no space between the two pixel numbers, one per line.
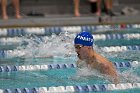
(111,71)
(115,76)
(106,67)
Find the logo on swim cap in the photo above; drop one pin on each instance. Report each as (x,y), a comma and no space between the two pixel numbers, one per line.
(84,38)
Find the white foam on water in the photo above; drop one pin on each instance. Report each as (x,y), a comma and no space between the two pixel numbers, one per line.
(85,71)
(47,46)
(129,76)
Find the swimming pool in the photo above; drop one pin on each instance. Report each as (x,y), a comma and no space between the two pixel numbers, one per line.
(42,59)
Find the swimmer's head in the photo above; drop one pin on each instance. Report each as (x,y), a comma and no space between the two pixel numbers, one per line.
(84,38)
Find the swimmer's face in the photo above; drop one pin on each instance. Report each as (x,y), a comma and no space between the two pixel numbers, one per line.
(82,51)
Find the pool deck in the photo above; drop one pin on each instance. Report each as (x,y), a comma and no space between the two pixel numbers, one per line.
(66,20)
(61,13)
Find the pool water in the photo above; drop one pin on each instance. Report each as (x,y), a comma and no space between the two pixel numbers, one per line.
(58,49)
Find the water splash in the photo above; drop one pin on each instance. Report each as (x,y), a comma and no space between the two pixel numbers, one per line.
(129,76)
(85,71)
(47,46)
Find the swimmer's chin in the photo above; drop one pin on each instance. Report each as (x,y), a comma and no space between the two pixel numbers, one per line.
(79,57)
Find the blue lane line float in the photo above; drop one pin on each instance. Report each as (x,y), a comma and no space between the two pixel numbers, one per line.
(86,28)
(5,53)
(47,31)
(50,30)
(2,53)
(120,48)
(118,65)
(15,32)
(56,30)
(122,64)
(116,36)
(73,89)
(17,90)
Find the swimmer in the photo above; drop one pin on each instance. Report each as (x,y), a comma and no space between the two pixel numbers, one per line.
(83,44)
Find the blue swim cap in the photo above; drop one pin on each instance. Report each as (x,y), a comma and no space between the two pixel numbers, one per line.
(84,38)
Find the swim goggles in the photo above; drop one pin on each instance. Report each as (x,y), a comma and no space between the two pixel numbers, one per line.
(78,46)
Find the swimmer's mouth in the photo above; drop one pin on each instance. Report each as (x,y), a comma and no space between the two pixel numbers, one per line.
(78,55)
